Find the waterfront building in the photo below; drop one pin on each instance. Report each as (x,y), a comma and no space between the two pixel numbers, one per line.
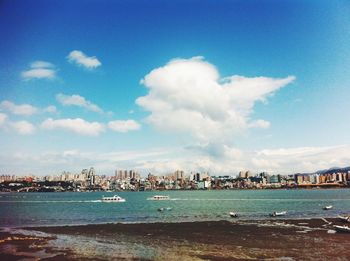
(179,175)
(4,178)
(127,174)
(91,176)
(241,174)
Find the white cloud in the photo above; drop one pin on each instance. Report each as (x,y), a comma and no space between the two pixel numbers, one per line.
(50,109)
(77,100)
(78,126)
(51,162)
(81,59)
(167,160)
(23,127)
(39,70)
(262,124)
(41,64)
(3,118)
(188,96)
(302,159)
(124,126)
(23,109)
(282,161)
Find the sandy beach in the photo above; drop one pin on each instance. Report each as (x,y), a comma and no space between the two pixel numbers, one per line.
(218,240)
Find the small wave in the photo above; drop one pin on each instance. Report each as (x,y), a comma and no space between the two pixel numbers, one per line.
(50,201)
(255,199)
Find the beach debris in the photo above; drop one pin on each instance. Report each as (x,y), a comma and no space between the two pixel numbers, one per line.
(344,218)
(233,214)
(342,228)
(331,231)
(277,214)
(326,221)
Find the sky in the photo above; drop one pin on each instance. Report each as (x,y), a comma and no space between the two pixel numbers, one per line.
(159,86)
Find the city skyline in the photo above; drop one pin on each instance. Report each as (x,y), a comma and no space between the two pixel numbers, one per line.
(157,87)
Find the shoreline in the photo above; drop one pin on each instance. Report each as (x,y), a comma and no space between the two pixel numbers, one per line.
(290,239)
(228,219)
(300,187)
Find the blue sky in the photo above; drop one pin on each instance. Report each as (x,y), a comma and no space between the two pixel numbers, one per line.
(97,52)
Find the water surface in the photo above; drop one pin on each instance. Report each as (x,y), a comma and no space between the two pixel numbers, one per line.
(72,208)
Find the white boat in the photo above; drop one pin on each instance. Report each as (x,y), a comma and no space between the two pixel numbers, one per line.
(328,207)
(115,198)
(163,209)
(233,214)
(342,228)
(277,214)
(159,197)
(344,218)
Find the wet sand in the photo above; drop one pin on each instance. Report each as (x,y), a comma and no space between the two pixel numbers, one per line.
(309,239)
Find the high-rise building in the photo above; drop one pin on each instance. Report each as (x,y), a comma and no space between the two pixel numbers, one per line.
(126,174)
(244,174)
(92,176)
(179,175)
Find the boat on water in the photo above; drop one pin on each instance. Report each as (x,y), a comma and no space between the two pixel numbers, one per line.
(344,218)
(115,198)
(342,228)
(328,207)
(233,214)
(164,209)
(159,197)
(278,214)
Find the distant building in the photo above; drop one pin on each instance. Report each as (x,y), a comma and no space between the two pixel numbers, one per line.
(179,175)
(4,178)
(244,174)
(91,176)
(127,174)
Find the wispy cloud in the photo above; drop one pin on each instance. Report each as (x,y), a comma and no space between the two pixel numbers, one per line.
(77,100)
(22,109)
(41,64)
(74,160)
(301,159)
(20,127)
(78,126)
(260,124)
(124,126)
(50,109)
(166,160)
(39,70)
(81,59)
(23,127)
(3,118)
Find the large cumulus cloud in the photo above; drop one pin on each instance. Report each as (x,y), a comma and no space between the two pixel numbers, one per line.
(189,96)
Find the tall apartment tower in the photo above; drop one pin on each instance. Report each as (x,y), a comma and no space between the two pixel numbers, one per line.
(91,176)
